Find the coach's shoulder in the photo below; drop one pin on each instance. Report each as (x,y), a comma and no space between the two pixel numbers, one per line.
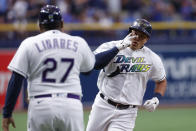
(78,38)
(28,40)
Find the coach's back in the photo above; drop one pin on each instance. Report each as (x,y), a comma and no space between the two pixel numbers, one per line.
(51,62)
(55,60)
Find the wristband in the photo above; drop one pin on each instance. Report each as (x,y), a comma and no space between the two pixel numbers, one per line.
(158,95)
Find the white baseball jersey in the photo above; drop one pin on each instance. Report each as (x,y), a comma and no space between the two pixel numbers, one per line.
(52,62)
(136,68)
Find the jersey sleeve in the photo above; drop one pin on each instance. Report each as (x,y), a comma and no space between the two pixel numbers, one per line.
(158,71)
(88,58)
(19,62)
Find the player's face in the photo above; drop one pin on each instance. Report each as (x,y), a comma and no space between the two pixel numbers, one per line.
(139,41)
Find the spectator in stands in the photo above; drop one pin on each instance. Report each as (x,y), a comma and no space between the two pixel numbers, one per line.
(193,12)
(33,9)
(99,11)
(186,9)
(79,10)
(17,15)
(3,10)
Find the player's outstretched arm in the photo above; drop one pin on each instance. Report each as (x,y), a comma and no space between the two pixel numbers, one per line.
(160,89)
(102,59)
(13,90)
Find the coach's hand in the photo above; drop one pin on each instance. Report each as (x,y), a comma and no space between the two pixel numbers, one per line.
(126,42)
(151,104)
(6,122)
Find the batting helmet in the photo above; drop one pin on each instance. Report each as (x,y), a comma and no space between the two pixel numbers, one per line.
(50,15)
(141,25)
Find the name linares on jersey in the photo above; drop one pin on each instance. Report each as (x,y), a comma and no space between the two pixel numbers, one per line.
(56,44)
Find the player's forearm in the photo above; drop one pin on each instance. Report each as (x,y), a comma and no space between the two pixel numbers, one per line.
(13,91)
(104,58)
(153,103)
(161,87)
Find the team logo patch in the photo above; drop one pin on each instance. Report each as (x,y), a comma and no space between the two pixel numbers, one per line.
(51,17)
(132,64)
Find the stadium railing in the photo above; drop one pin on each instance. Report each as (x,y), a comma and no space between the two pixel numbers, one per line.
(98,26)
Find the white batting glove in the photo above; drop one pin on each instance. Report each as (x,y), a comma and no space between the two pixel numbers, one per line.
(126,42)
(151,104)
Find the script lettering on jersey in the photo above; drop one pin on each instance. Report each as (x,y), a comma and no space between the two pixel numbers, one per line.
(55,43)
(132,64)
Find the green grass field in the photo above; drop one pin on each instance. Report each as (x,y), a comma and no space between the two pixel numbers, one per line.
(178,119)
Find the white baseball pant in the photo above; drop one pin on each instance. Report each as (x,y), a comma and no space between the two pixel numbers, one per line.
(55,114)
(105,117)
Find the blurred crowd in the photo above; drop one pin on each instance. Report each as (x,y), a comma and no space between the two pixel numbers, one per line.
(103,11)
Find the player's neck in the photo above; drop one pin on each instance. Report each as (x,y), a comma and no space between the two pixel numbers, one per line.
(44,30)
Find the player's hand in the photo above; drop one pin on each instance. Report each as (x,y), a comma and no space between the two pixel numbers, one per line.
(6,122)
(126,42)
(151,104)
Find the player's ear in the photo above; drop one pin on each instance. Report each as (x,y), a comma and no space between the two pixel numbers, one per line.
(41,27)
(62,24)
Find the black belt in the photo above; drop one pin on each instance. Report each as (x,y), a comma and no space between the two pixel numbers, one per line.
(69,95)
(117,105)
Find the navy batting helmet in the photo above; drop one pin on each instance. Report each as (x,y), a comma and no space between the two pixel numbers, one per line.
(142,25)
(50,15)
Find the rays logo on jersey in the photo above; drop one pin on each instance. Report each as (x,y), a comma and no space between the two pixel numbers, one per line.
(131,64)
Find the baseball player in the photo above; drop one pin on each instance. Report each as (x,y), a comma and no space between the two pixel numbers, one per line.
(52,62)
(126,66)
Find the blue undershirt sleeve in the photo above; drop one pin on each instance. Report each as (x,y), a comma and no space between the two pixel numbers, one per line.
(104,58)
(158,95)
(13,90)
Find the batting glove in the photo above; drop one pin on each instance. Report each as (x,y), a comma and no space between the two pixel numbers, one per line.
(126,42)
(151,104)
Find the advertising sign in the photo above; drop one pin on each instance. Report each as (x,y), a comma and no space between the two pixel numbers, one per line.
(5,74)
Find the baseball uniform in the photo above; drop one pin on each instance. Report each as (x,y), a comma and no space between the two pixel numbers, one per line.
(52,62)
(115,106)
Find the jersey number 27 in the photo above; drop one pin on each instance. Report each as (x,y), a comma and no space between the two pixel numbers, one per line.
(54,66)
